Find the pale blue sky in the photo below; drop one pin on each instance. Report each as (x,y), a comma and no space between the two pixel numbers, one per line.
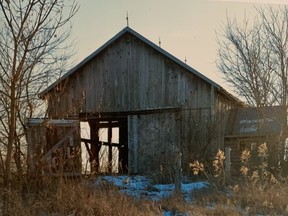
(186,27)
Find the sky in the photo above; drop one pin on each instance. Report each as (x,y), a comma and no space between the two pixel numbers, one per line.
(186,28)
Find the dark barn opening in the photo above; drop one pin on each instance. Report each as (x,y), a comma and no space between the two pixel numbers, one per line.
(108,145)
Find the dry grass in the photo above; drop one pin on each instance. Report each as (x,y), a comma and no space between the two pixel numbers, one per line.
(258,193)
(241,200)
(269,199)
(78,198)
(206,205)
(70,198)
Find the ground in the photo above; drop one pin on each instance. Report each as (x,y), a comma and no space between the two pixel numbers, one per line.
(142,187)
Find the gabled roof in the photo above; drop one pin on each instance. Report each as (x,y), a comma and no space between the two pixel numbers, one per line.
(256,121)
(145,40)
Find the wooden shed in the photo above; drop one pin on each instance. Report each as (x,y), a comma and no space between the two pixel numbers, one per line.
(54,147)
(249,127)
(154,110)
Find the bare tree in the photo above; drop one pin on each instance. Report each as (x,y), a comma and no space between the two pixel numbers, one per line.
(246,62)
(33,40)
(275,24)
(253,56)
(276,31)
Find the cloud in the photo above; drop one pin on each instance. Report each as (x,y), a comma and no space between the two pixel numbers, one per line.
(256,1)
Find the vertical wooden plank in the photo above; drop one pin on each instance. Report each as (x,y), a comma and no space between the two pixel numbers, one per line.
(143,90)
(179,89)
(133,144)
(212,102)
(130,73)
(178,151)
(227,165)
(162,84)
(92,85)
(177,171)
(88,85)
(30,149)
(110,159)
(123,150)
(95,148)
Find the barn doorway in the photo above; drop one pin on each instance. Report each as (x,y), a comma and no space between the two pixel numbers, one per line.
(108,145)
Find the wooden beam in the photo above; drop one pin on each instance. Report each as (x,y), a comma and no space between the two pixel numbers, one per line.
(100,142)
(57,122)
(95,148)
(115,115)
(109,125)
(88,150)
(59,143)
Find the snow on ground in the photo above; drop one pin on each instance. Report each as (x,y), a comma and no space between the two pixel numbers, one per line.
(169,213)
(141,187)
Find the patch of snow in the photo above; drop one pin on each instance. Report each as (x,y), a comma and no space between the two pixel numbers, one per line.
(170,213)
(141,187)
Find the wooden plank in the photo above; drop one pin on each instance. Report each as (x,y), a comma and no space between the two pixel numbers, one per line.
(56,122)
(62,174)
(109,125)
(124,78)
(133,144)
(88,149)
(30,149)
(109,115)
(162,84)
(58,144)
(110,156)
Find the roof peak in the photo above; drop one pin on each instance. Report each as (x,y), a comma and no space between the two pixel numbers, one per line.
(143,39)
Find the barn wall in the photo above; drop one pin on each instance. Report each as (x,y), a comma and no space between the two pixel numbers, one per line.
(203,129)
(36,140)
(251,143)
(223,105)
(146,155)
(195,138)
(130,76)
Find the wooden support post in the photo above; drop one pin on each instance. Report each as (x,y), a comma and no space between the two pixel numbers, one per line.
(110,157)
(133,144)
(227,165)
(177,171)
(86,141)
(123,147)
(95,146)
(178,158)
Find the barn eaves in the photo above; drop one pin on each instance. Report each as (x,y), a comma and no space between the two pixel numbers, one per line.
(151,44)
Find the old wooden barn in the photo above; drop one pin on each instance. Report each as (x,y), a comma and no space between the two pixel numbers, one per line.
(249,127)
(146,109)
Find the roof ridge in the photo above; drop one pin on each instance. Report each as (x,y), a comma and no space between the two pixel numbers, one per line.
(140,37)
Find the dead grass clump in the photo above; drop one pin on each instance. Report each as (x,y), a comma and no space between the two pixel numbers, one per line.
(255,199)
(217,210)
(259,192)
(174,203)
(68,198)
(205,204)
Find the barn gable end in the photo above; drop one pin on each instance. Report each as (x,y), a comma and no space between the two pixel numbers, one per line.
(165,107)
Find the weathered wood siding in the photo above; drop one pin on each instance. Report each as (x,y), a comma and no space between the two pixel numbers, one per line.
(42,137)
(147,132)
(239,144)
(223,105)
(130,75)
